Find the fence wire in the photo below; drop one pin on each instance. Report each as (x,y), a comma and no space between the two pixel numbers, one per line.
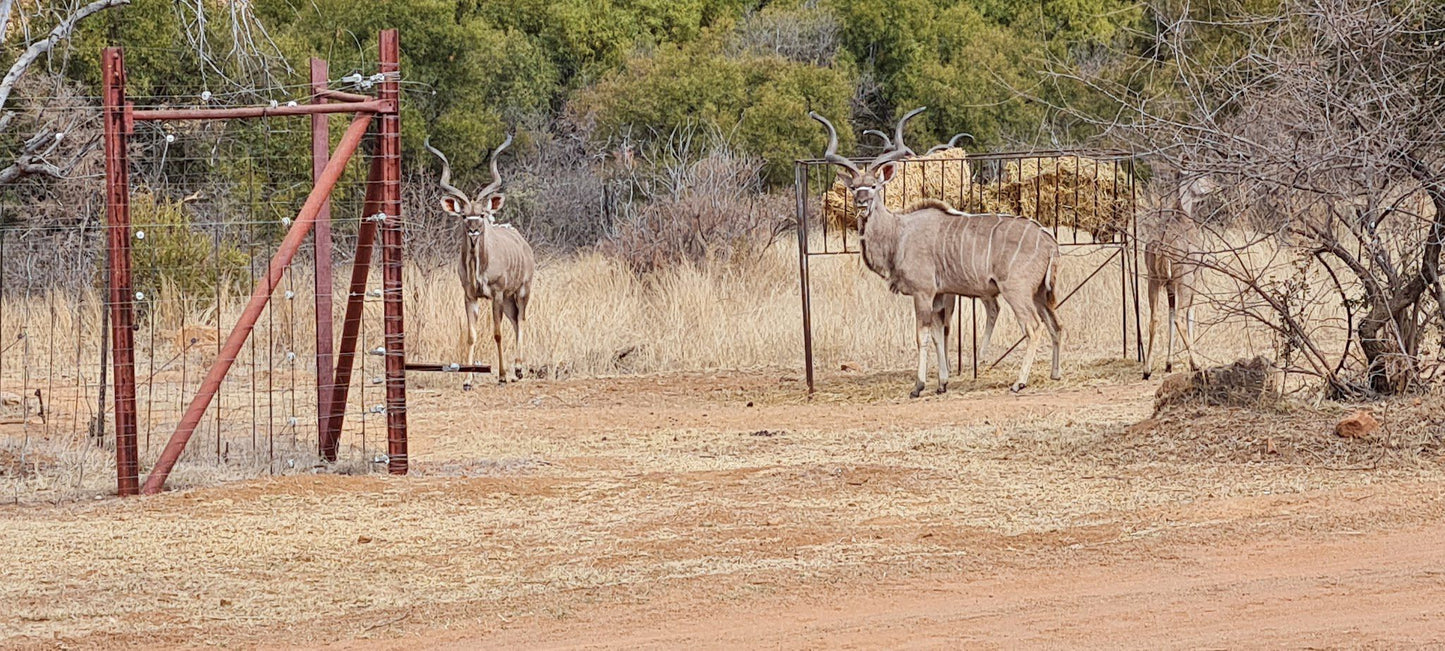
(210,201)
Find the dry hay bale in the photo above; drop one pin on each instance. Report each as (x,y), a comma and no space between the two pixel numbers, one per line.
(1069,192)
(1245,383)
(944,175)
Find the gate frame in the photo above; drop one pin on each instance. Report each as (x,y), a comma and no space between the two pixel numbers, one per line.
(382,205)
(1126,248)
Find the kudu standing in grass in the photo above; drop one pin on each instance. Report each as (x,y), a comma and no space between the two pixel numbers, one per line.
(497,264)
(1171,262)
(934,253)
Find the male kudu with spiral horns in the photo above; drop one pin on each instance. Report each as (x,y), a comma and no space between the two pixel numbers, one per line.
(497,264)
(933,252)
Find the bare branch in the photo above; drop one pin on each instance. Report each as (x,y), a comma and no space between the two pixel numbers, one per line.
(42,46)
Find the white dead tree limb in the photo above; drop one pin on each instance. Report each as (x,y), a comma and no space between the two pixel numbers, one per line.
(61,32)
(32,158)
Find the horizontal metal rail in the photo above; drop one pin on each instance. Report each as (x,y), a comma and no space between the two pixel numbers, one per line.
(369,106)
(448,368)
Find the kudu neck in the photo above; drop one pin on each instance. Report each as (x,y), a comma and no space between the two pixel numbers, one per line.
(474,247)
(880,236)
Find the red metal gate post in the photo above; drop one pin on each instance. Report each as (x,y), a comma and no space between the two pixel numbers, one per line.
(117,186)
(320,153)
(391,252)
(259,297)
(800,188)
(355,305)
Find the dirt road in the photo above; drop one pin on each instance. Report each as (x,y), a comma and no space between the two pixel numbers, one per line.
(725,511)
(1367,589)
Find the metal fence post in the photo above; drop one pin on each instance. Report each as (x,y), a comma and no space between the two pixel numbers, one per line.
(320,155)
(800,183)
(122,309)
(391,252)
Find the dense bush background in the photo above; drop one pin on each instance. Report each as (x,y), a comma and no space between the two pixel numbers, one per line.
(599,92)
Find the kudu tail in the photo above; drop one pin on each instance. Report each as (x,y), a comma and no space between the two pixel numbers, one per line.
(1050,275)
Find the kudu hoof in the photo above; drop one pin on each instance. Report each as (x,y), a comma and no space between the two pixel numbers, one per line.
(1147,374)
(1168,368)
(1017,387)
(917,390)
(467,386)
(942,389)
(1056,376)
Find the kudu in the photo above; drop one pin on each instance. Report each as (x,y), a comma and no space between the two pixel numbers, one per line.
(1171,262)
(934,253)
(497,264)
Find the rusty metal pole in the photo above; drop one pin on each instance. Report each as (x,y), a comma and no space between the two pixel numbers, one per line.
(320,154)
(355,304)
(259,297)
(800,190)
(117,187)
(253,112)
(391,256)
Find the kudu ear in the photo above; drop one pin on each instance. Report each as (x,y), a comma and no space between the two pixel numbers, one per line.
(886,171)
(452,205)
(495,201)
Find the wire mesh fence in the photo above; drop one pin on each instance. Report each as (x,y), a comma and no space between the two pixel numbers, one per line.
(209,202)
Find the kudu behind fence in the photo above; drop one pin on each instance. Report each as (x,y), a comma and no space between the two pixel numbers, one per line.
(1085,200)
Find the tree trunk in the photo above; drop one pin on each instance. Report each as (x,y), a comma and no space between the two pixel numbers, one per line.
(1389,349)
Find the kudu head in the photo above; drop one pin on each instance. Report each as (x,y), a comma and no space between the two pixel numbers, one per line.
(482,212)
(866,183)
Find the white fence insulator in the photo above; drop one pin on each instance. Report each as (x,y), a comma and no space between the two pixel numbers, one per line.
(378,351)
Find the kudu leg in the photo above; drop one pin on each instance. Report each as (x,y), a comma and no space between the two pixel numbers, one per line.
(990,309)
(497,337)
(943,306)
(515,315)
(1189,337)
(1050,319)
(1023,311)
(1153,326)
(923,320)
(940,343)
(1169,334)
(469,340)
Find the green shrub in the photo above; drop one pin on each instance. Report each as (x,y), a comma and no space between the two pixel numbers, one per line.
(167,249)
